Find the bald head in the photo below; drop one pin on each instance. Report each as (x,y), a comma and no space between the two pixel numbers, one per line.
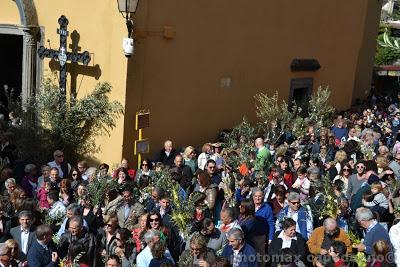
(330,224)
(168,145)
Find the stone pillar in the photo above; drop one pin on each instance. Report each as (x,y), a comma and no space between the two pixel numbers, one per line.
(28,66)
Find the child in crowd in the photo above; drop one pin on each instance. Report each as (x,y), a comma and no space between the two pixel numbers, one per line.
(379,203)
(42,195)
(337,252)
(302,183)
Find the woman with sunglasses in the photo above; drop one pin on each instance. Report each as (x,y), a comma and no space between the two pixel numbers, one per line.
(146,168)
(124,249)
(107,236)
(76,178)
(356,180)
(344,176)
(155,221)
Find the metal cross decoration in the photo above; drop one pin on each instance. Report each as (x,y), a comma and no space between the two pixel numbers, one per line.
(63,56)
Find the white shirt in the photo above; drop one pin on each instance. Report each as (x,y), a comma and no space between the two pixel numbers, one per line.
(24,241)
(144,258)
(202,160)
(394,234)
(286,243)
(53,164)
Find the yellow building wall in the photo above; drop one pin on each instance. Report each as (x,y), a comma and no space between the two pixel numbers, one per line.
(254,44)
(101,28)
(9,13)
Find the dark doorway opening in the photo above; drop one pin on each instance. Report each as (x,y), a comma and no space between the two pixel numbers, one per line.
(11,51)
(300,93)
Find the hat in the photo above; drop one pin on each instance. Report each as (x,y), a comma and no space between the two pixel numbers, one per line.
(4,250)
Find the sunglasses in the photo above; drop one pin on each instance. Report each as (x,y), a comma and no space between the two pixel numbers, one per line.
(295,203)
(154,220)
(397,159)
(59,156)
(360,167)
(74,174)
(109,225)
(346,169)
(145,164)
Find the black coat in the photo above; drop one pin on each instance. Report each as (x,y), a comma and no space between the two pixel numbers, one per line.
(5,234)
(86,239)
(164,159)
(297,247)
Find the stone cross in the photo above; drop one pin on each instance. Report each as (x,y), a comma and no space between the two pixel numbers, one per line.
(63,56)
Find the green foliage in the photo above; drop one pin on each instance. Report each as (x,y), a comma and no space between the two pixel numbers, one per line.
(388,48)
(98,189)
(386,55)
(240,140)
(330,207)
(276,117)
(320,112)
(72,128)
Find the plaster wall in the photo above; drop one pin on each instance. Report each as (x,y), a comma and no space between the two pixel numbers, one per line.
(179,78)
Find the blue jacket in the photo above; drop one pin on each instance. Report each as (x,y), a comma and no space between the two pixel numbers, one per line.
(304,221)
(265,215)
(247,253)
(376,233)
(38,256)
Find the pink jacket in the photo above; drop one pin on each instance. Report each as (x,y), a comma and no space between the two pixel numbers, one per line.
(42,197)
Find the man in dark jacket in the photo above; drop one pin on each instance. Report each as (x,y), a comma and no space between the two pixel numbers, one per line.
(77,233)
(42,253)
(166,155)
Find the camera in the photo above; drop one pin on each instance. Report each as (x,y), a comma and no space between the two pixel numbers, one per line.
(127,44)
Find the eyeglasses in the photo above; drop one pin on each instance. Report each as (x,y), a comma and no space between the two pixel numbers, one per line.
(59,156)
(295,203)
(154,220)
(211,167)
(195,249)
(346,169)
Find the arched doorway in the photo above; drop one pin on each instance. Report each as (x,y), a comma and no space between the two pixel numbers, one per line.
(21,43)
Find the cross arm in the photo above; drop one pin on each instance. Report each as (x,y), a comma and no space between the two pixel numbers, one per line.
(49,53)
(84,57)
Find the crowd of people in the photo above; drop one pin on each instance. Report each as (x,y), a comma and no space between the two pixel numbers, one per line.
(330,197)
